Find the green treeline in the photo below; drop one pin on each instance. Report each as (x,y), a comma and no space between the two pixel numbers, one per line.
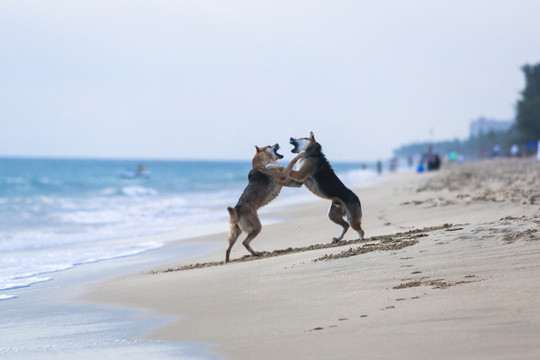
(525,131)
(528,107)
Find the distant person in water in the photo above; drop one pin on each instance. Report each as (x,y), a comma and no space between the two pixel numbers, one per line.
(140,172)
(141,169)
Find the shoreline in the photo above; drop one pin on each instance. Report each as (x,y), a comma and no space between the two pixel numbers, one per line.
(292,305)
(49,320)
(60,295)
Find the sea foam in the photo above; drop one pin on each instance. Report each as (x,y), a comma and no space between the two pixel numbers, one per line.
(24,268)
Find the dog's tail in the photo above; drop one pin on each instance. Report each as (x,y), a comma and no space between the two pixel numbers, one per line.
(233,215)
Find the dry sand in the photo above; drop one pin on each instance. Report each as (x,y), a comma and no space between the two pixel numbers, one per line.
(449,270)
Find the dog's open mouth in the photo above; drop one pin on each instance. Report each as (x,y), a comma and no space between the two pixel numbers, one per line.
(295,144)
(275,148)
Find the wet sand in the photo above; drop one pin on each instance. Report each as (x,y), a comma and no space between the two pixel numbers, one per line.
(449,269)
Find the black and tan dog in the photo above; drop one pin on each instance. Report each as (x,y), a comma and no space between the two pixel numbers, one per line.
(266,179)
(318,176)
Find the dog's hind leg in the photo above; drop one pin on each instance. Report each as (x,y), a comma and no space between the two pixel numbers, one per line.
(255,230)
(234,233)
(357,225)
(336,214)
(354,217)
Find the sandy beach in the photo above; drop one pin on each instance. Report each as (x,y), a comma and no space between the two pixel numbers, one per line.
(449,269)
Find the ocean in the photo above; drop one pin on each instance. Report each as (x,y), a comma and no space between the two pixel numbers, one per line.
(57,214)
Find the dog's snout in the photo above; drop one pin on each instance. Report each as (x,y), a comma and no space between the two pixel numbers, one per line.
(291,140)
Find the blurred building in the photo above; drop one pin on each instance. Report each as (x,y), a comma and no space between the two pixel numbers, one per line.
(483,126)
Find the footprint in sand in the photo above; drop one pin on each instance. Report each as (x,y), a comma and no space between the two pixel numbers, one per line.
(403,299)
(332,326)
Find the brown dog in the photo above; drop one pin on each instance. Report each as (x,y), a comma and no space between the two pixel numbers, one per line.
(316,173)
(265,182)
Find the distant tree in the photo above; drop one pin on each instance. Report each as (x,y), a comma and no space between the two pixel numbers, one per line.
(528,108)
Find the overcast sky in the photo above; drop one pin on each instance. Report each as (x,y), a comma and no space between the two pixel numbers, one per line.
(202,79)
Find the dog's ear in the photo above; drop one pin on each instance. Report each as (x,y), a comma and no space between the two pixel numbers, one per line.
(258,148)
(311,136)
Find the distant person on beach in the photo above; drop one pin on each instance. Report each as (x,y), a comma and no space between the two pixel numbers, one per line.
(496,150)
(379,167)
(393,164)
(514,150)
(431,159)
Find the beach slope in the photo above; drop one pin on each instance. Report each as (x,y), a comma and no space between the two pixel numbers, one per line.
(448,269)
